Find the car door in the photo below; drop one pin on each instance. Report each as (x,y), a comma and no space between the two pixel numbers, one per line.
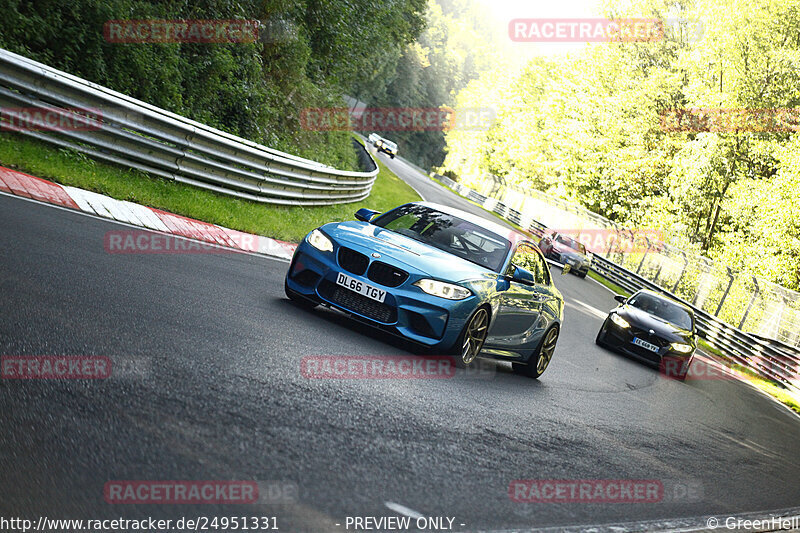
(516,324)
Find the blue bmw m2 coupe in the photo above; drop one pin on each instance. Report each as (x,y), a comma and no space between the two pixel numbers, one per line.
(445,279)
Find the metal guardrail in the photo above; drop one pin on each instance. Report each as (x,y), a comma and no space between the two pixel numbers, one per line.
(122,130)
(771,359)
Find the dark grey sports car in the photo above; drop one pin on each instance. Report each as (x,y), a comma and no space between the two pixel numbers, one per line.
(654,329)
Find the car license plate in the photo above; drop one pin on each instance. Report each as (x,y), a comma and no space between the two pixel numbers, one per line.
(644,344)
(360,287)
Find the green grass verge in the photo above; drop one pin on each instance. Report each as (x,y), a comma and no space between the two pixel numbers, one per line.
(285,223)
(710,349)
(608,284)
(776,391)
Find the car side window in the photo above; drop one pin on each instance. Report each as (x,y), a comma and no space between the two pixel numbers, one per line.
(528,258)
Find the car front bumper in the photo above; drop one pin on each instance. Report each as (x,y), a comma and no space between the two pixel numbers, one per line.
(578,266)
(407,311)
(666,359)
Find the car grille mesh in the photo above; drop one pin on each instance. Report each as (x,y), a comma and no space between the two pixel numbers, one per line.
(353,261)
(386,274)
(651,338)
(357,303)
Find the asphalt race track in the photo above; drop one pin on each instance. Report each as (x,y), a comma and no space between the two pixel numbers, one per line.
(206,385)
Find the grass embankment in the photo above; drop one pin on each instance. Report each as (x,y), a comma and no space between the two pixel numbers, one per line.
(280,222)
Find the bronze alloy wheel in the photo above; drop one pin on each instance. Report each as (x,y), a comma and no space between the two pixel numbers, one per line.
(474,336)
(546,353)
(540,359)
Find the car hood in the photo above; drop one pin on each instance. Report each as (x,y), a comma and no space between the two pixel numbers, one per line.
(642,320)
(396,248)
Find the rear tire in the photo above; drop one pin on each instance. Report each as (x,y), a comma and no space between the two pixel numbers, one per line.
(297,299)
(582,275)
(541,358)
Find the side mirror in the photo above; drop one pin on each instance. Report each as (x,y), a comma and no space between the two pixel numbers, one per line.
(620,298)
(365,215)
(565,269)
(523,276)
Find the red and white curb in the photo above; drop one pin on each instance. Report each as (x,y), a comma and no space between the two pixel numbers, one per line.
(27,186)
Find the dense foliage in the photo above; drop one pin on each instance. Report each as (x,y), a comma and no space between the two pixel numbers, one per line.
(585,126)
(588,127)
(307,55)
(458,45)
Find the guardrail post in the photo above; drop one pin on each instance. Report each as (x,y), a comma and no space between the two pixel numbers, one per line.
(613,241)
(683,271)
(658,272)
(725,294)
(641,263)
(750,305)
(498,184)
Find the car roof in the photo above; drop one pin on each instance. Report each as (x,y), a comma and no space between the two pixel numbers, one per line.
(509,233)
(665,297)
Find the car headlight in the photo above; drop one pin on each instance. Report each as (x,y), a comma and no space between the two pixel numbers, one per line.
(680,347)
(442,289)
(618,320)
(318,240)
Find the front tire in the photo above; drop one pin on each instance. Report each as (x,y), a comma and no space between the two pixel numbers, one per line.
(541,358)
(471,339)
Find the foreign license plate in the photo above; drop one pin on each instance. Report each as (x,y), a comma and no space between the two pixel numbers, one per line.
(644,344)
(360,287)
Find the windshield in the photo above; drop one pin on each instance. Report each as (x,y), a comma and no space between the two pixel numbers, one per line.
(571,243)
(449,233)
(663,309)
